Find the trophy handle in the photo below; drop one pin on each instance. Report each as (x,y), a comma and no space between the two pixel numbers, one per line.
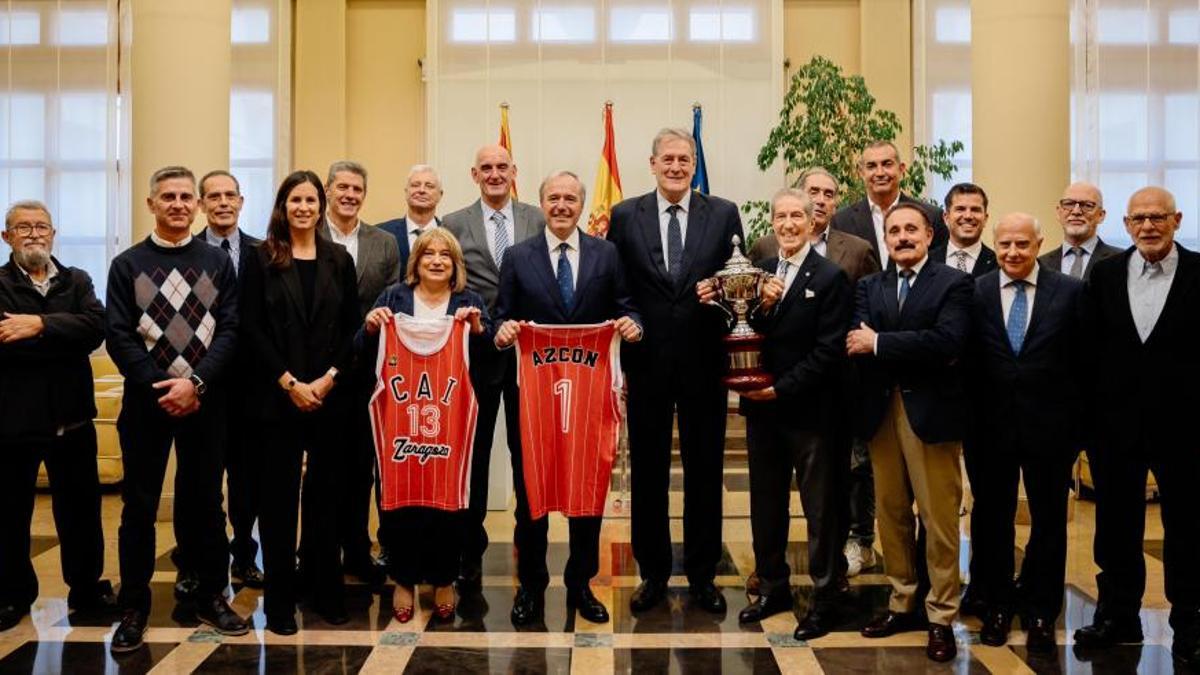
(730,319)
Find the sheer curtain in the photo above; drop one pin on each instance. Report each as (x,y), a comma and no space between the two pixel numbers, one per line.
(59,122)
(942,78)
(259,104)
(556,63)
(1135,108)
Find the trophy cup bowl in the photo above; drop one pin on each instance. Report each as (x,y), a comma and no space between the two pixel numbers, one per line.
(739,287)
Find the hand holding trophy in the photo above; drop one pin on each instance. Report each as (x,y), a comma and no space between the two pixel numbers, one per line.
(738,289)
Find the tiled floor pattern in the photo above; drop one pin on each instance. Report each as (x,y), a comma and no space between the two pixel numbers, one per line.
(673,638)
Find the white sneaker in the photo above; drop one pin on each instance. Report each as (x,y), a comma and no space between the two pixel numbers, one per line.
(858,558)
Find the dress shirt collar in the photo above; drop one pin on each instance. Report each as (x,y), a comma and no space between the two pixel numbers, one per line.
(1140,265)
(915,268)
(215,239)
(797,259)
(335,232)
(507,210)
(553,241)
(1005,280)
(973,250)
(876,209)
(684,204)
(51,272)
(1088,246)
(170,244)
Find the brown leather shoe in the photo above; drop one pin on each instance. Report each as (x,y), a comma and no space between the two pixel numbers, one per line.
(890,624)
(941,646)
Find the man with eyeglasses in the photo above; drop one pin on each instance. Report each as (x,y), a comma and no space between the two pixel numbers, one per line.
(1140,316)
(50,322)
(1079,212)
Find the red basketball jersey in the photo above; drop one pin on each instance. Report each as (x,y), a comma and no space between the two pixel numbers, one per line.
(570,380)
(423,414)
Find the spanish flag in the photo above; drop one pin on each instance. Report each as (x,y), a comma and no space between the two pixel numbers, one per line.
(506,141)
(608,181)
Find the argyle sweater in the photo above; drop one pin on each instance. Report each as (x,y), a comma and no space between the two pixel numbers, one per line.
(172,312)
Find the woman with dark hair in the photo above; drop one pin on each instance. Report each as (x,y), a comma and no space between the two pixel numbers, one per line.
(299,314)
(421,539)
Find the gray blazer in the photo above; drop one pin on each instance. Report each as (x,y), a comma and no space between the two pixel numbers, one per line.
(1053,259)
(378,264)
(466,224)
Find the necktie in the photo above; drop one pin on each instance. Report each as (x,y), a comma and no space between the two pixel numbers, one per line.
(566,287)
(500,238)
(416,232)
(905,285)
(674,242)
(822,244)
(961,263)
(782,270)
(1016,316)
(1077,263)
(226,247)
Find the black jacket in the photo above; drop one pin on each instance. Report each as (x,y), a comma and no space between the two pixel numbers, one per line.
(46,382)
(856,219)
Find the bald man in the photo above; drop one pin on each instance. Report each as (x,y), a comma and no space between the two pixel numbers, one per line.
(1141,322)
(1080,212)
(1022,369)
(486,229)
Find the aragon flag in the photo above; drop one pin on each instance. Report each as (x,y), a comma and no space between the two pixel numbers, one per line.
(607,192)
(506,141)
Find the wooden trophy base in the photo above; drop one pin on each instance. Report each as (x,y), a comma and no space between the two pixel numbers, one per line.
(745,363)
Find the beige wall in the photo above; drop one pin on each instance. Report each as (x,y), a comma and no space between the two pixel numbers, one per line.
(828,28)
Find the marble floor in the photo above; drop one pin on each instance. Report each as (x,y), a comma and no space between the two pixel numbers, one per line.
(673,638)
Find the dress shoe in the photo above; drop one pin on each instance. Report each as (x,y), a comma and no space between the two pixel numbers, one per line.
(817,622)
(648,594)
(1040,635)
(11,615)
(367,570)
(217,613)
(248,574)
(765,606)
(333,614)
(1108,632)
(892,623)
(972,604)
(527,607)
(941,647)
(995,628)
(587,605)
(708,597)
(282,625)
(186,586)
(469,583)
(753,584)
(129,633)
(99,598)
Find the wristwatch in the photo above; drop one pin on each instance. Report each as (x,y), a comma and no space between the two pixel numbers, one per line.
(201,388)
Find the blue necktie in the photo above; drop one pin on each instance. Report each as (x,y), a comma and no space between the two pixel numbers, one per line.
(1016,316)
(905,275)
(674,242)
(566,287)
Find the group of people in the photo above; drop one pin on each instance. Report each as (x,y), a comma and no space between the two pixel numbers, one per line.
(897,341)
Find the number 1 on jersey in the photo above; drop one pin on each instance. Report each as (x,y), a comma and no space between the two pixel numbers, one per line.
(562,389)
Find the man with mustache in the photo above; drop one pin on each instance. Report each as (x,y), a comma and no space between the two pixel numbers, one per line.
(910,330)
(422,193)
(50,321)
(880,169)
(966,216)
(1079,212)
(1140,315)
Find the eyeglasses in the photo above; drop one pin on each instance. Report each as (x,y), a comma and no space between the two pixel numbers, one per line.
(1156,219)
(1069,205)
(25,229)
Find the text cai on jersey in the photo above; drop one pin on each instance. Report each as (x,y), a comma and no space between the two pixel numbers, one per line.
(579,355)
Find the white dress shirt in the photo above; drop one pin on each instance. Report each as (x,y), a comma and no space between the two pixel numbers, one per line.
(350,241)
(664,219)
(794,261)
(170,244)
(877,215)
(1148,286)
(972,254)
(490,227)
(572,242)
(821,245)
(1068,258)
(1008,294)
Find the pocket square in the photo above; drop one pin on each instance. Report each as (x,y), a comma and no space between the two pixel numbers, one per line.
(808,293)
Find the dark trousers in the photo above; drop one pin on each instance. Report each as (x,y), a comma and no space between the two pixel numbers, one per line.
(1120,479)
(994,474)
(146,433)
(425,544)
(776,451)
(474,539)
(702,407)
(355,507)
(75,501)
(323,437)
(861,494)
(244,468)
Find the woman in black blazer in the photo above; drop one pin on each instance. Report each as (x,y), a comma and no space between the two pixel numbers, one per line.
(299,315)
(422,541)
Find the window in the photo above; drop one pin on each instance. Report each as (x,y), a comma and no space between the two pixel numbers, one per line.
(942,83)
(563,24)
(483,25)
(733,24)
(640,24)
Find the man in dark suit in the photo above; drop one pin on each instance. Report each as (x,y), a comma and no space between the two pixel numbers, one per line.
(422,193)
(1140,317)
(561,277)
(1024,389)
(487,229)
(881,170)
(966,216)
(791,426)
(669,240)
(377,266)
(1079,212)
(221,202)
(911,328)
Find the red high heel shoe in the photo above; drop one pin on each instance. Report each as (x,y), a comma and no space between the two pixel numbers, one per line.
(444,612)
(403,614)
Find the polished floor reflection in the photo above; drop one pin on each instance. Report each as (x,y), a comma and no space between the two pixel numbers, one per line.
(672,638)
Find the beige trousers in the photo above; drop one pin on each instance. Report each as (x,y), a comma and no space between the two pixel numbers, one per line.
(908,469)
